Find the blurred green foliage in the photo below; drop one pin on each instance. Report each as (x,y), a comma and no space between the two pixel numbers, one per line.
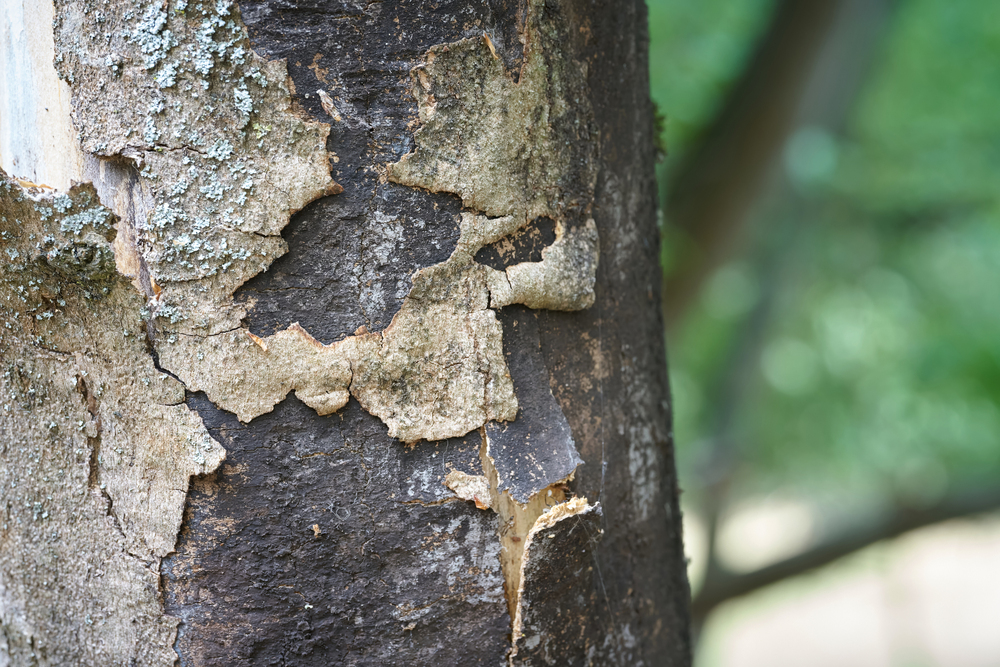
(878,370)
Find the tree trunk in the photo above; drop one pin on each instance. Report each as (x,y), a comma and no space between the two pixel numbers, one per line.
(413,411)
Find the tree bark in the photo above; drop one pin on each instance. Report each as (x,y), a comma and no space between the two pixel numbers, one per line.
(442,410)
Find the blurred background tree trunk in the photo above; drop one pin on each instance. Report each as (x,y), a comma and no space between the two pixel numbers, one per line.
(753,188)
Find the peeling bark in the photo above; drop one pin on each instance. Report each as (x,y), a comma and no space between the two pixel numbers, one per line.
(398,509)
(97,444)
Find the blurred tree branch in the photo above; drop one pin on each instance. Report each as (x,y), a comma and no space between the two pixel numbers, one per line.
(722,457)
(724,585)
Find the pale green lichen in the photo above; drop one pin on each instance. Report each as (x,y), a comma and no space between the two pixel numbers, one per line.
(99,446)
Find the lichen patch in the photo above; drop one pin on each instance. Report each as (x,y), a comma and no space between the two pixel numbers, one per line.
(437,371)
(563,280)
(98,444)
(526,149)
(174,90)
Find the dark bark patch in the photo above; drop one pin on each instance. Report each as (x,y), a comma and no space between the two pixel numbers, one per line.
(350,260)
(525,245)
(381,582)
(537,449)
(561,586)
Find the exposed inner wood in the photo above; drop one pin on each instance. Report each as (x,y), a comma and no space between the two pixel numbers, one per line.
(516,521)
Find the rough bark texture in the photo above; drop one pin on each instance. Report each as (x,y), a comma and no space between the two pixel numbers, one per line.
(482,151)
(97,445)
